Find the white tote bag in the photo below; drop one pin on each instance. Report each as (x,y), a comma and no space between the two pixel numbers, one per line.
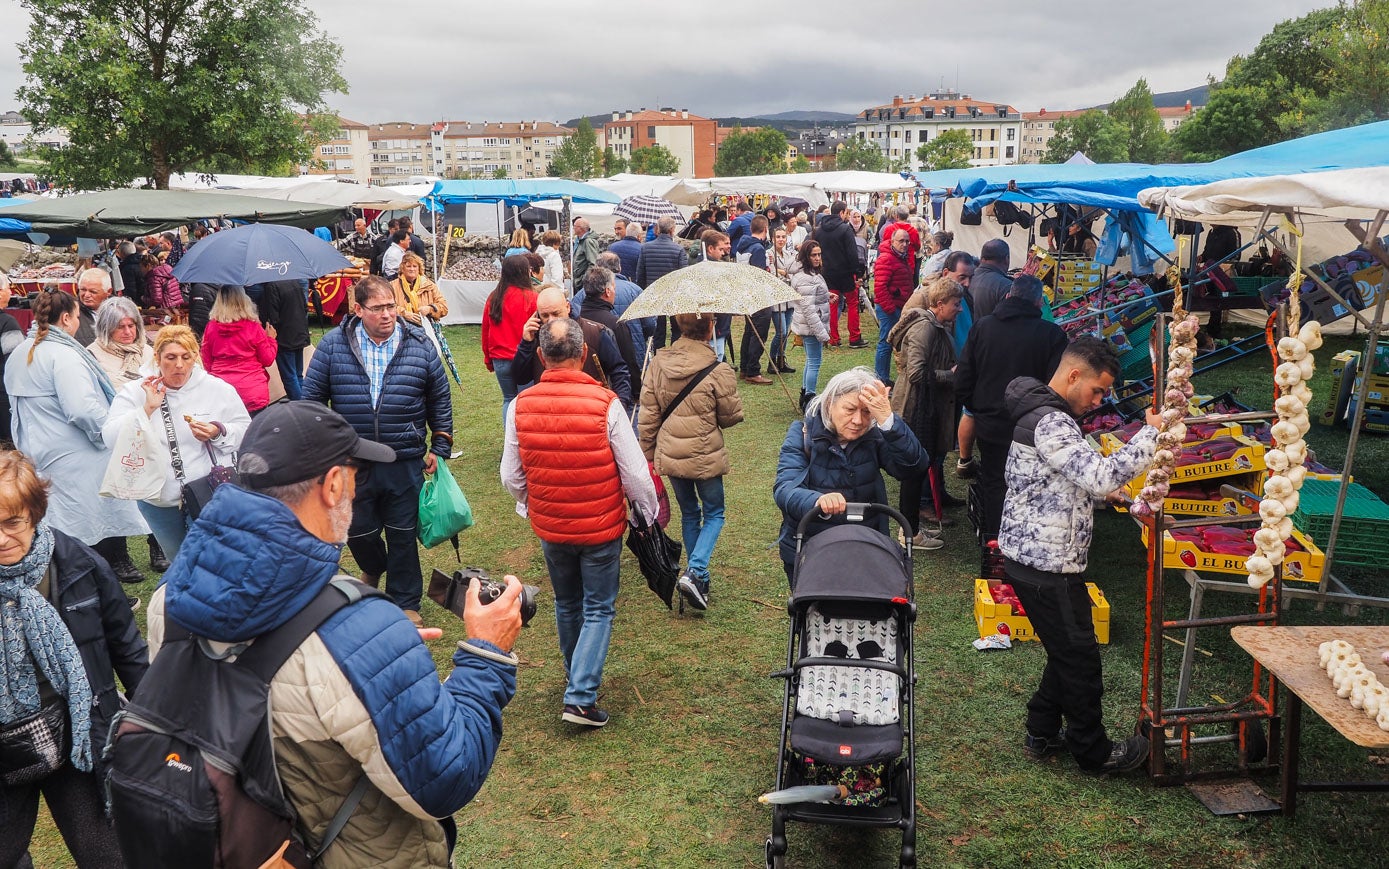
(138,465)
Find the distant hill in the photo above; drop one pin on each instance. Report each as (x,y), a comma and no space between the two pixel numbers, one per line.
(809,116)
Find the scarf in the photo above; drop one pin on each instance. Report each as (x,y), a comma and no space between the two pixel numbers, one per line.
(57,336)
(131,355)
(412,295)
(34,634)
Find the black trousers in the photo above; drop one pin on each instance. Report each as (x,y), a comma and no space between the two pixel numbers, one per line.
(1058,606)
(932,483)
(989,486)
(753,344)
(78,808)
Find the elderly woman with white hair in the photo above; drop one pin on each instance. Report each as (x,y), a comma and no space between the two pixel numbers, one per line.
(120,346)
(837,454)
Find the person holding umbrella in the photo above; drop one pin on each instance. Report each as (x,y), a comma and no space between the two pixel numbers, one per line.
(688,398)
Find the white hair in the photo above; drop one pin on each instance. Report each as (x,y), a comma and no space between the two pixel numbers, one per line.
(844,383)
(634,230)
(103,278)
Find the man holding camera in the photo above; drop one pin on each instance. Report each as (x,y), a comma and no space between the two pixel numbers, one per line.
(360,696)
(572,462)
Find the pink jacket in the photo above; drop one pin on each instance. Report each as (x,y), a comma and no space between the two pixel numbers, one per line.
(162,289)
(239,353)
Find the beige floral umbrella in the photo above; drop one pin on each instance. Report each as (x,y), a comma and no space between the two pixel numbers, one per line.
(711,288)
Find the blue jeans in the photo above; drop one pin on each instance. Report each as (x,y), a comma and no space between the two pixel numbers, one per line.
(781,326)
(814,351)
(291,366)
(701,520)
(882,358)
(585,580)
(167,524)
(718,348)
(502,368)
(388,498)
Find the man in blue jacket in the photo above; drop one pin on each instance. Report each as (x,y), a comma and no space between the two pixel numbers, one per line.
(360,697)
(752,250)
(384,376)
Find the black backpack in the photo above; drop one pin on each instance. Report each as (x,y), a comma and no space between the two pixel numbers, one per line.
(192,781)
(1006,213)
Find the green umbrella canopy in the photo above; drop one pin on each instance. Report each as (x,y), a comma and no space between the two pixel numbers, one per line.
(129,212)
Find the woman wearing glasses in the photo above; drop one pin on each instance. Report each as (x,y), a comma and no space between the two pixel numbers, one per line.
(66,632)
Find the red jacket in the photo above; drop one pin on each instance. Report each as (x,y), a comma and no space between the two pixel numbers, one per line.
(499,340)
(573,488)
(162,289)
(913,237)
(239,353)
(893,279)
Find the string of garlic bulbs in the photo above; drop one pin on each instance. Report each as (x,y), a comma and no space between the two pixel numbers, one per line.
(1285,460)
(1172,432)
(1354,681)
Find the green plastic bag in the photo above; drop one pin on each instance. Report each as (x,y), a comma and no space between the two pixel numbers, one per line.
(443,510)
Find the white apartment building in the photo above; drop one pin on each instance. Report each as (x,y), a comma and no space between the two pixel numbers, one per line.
(900,127)
(15,132)
(346,156)
(463,149)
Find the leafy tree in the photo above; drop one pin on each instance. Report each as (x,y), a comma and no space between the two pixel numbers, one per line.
(1235,119)
(613,164)
(176,85)
(950,150)
(7,159)
(499,173)
(578,156)
(1357,70)
(654,160)
(859,154)
(1143,132)
(752,152)
(1094,134)
(800,164)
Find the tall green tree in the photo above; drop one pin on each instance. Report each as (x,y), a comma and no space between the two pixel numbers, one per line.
(1094,134)
(176,85)
(800,164)
(859,154)
(612,163)
(752,152)
(950,150)
(578,156)
(654,160)
(7,159)
(1357,77)
(499,173)
(1144,135)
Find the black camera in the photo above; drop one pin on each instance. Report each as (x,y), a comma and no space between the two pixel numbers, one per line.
(451,592)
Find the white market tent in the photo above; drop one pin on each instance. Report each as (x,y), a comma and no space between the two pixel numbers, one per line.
(319,189)
(815,187)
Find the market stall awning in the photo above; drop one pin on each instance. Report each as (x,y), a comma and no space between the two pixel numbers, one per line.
(519,192)
(340,194)
(1336,195)
(8,225)
(125,213)
(814,187)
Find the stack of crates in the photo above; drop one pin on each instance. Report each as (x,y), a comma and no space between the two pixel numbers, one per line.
(1076,277)
(1363,537)
(1376,416)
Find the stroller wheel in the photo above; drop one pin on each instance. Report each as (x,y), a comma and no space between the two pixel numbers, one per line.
(774,861)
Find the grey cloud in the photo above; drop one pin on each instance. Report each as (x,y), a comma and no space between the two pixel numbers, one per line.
(550,60)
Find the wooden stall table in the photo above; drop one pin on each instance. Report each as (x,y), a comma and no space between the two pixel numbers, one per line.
(1291,655)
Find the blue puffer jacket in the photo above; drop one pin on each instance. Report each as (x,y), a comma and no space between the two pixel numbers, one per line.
(812,463)
(372,698)
(414,393)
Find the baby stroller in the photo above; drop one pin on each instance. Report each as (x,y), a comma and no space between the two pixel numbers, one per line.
(847,718)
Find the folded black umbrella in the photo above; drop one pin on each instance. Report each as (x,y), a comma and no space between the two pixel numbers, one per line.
(657,555)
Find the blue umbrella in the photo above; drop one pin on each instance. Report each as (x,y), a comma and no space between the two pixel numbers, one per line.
(258,253)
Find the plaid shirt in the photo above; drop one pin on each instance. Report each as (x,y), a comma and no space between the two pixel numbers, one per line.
(375,357)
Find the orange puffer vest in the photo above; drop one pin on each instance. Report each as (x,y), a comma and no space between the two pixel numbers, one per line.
(574,490)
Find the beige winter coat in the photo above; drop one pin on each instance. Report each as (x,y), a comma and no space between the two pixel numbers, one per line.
(690,443)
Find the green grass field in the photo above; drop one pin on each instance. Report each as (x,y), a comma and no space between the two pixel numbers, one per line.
(673,779)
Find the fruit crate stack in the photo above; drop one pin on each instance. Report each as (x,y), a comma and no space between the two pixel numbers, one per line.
(997,609)
(1363,536)
(1376,416)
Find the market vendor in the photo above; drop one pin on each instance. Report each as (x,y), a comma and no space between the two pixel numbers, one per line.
(1054,478)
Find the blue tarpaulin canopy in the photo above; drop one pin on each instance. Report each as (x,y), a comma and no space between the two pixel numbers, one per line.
(1116,185)
(516,193)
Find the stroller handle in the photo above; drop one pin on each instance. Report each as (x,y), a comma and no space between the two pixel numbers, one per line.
(854,511)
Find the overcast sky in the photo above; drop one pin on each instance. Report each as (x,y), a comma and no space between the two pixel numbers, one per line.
(547,60)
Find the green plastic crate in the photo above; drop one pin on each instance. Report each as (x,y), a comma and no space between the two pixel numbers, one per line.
(1137,364)
(1362,539)
(1252,286)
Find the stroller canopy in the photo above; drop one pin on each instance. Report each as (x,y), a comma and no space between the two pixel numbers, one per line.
(851,563)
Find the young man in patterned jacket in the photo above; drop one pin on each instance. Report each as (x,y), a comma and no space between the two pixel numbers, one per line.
(1054,478)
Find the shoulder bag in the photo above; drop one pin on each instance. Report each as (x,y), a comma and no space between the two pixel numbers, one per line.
(194,494)
(35,746)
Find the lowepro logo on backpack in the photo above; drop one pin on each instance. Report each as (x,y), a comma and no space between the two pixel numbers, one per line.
(173,760)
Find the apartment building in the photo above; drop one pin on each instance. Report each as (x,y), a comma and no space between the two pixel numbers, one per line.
(463,149)
(347,155)
(1038,128)
(691,138)
(900,127)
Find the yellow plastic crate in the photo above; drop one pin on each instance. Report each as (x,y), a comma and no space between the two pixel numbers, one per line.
(988,615)
(1305,566)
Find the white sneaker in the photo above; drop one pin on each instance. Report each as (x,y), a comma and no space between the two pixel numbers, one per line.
(926,540)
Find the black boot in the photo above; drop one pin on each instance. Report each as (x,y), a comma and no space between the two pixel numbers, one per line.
(806,398)
(159,562)
(783,367)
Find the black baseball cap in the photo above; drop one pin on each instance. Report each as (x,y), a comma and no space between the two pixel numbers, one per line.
(291,441)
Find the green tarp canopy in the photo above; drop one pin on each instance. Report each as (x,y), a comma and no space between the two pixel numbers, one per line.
(130,212)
